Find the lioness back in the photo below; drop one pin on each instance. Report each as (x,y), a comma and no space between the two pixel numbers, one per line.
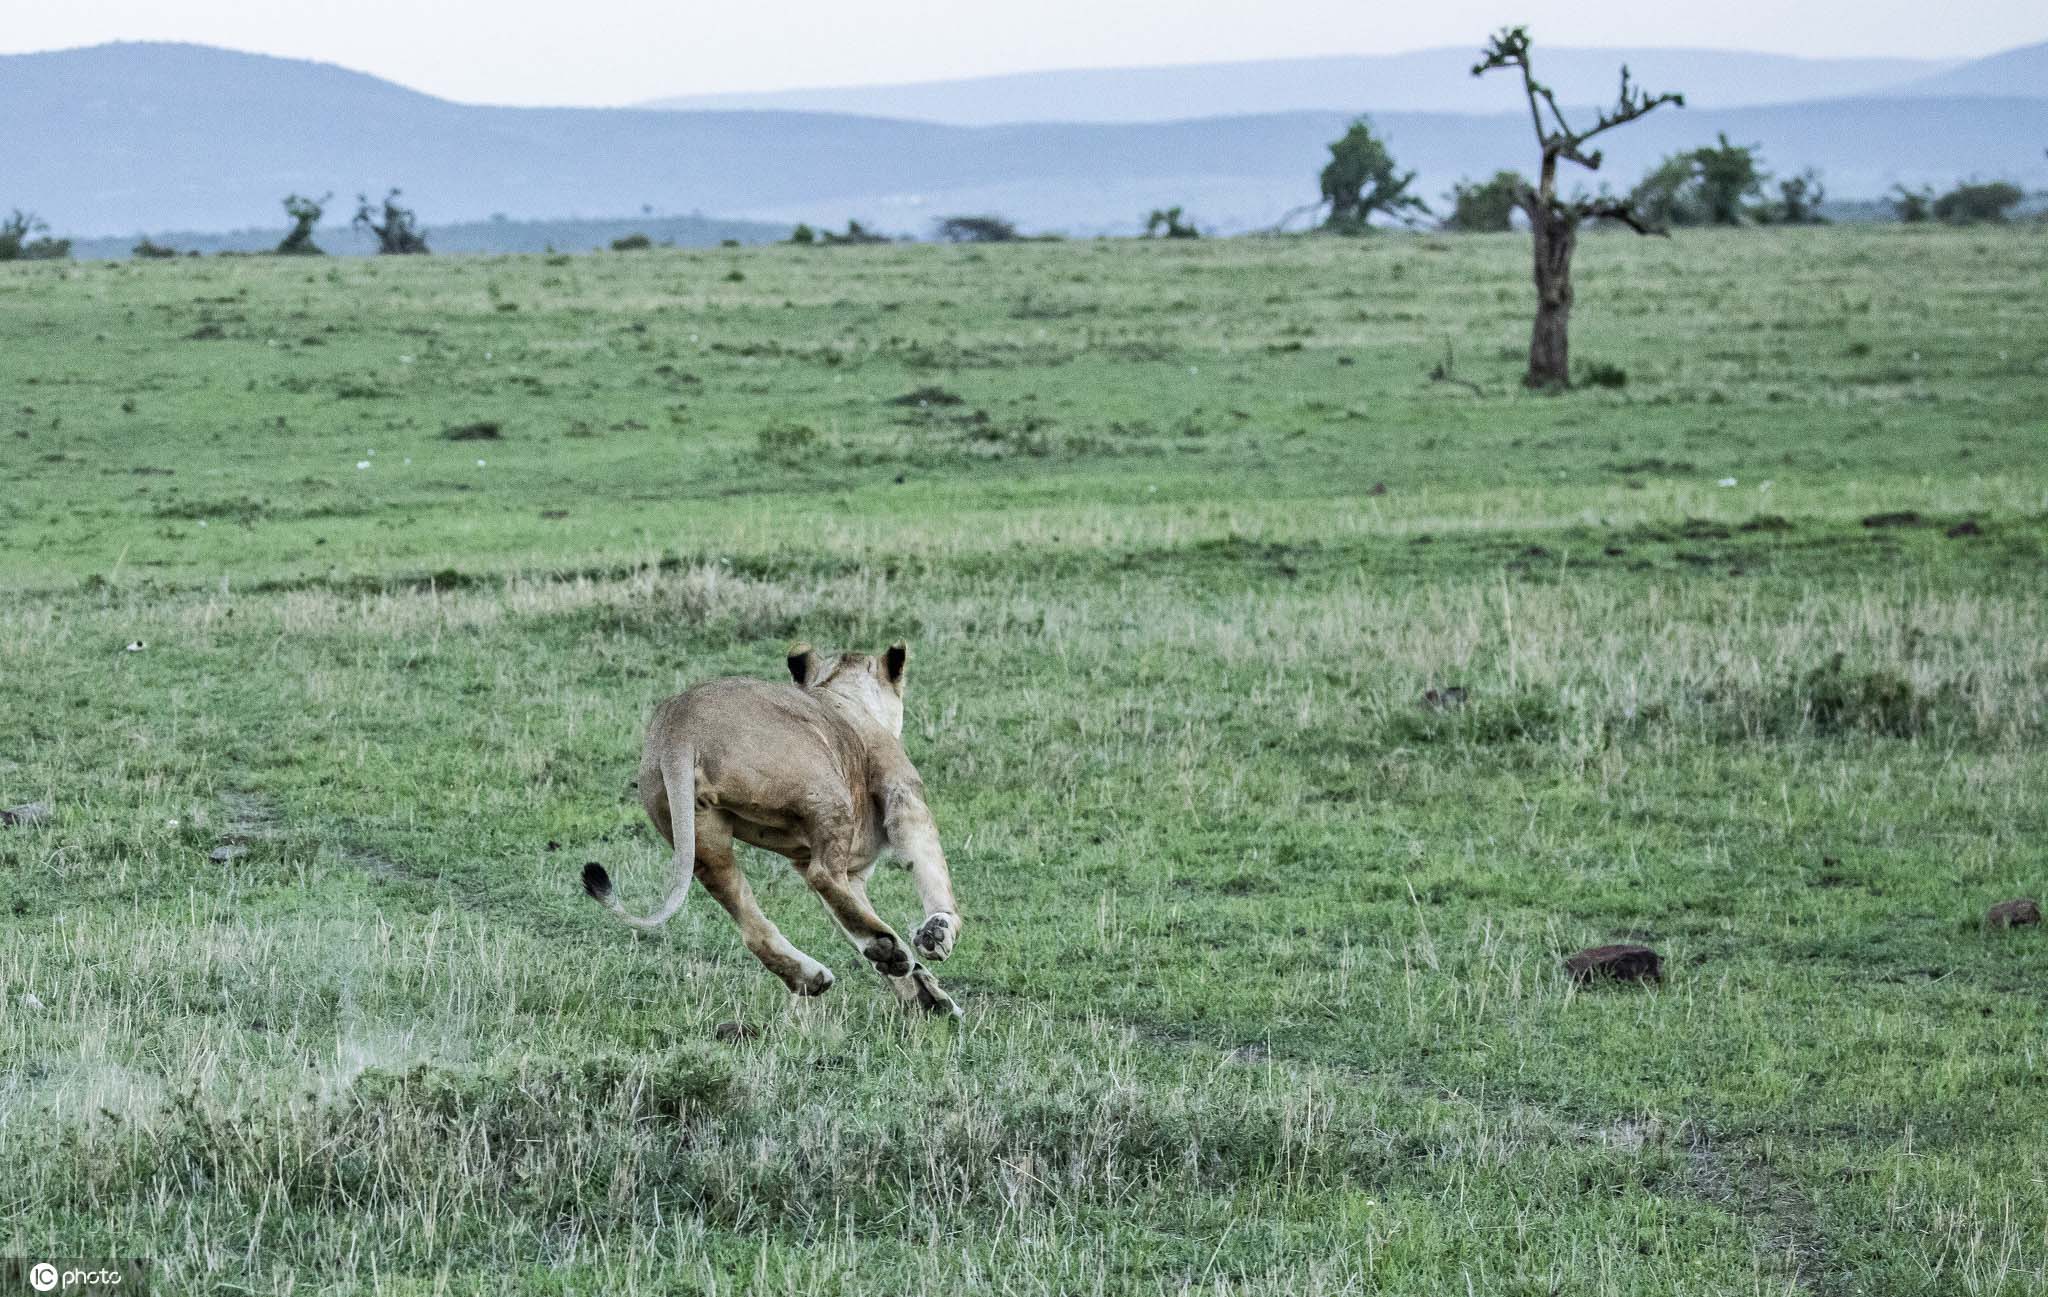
(764,750)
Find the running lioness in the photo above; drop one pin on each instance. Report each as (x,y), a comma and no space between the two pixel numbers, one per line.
(813,771)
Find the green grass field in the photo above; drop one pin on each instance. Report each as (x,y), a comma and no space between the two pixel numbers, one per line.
(1261,968)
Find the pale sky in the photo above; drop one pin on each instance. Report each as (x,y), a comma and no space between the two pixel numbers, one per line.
(622,51)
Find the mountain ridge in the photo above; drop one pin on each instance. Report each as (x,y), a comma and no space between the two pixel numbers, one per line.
(2019,72)
(1430,80)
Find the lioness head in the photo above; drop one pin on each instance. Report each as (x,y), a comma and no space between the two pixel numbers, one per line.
(872,682)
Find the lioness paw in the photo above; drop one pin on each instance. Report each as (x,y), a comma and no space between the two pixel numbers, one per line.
(931,998)
(935,939)
(816,983)
(888,956)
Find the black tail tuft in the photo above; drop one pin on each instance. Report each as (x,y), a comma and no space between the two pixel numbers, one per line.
(596,881)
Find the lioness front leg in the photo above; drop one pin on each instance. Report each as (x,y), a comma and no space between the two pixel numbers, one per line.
(849,908)
(917,989)
(914,838)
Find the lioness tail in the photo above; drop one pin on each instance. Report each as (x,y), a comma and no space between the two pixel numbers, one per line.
(679,777)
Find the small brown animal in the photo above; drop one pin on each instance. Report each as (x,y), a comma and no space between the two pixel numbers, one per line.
(814,771)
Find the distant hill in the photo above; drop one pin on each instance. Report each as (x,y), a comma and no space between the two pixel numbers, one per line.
(2019,73)
(120,138)
(115,138)
(1438,81)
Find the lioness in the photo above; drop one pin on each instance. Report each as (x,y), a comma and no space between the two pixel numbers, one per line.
(813,771)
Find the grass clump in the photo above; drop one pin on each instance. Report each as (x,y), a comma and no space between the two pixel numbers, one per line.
(1835,698)
(787,442)
(1601,373)
(1480,719)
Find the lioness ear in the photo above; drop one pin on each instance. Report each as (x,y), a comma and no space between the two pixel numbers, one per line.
(803,661)
(894,661)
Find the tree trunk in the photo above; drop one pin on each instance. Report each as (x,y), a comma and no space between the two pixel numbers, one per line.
(1554,235)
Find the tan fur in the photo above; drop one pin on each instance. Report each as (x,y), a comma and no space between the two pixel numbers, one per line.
(815,771)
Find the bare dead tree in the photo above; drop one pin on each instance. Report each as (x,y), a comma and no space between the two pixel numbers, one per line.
(1554,219)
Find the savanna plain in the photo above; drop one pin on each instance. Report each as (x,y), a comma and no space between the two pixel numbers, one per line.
(1737,650)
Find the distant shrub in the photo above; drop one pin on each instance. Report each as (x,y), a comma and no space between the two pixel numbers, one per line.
(305,214)
(1798,201)
(977,229)
(1727,175)
(1703,186)
(1973,203)
(1362,179)
(399,234)
(806,236)
(632,243)
(1483,208)
(1911,206)
(1166,223)
(16,245)
(14,231)
(856,233)
(150,250)
(1668,195)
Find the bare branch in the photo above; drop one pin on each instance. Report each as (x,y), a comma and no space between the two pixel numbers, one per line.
(1506,48)
(1280,226)
(1564,128)
(1509,48)
(1617,209)
(1632,102)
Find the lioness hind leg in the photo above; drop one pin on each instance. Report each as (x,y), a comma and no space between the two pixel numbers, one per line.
(721,876)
